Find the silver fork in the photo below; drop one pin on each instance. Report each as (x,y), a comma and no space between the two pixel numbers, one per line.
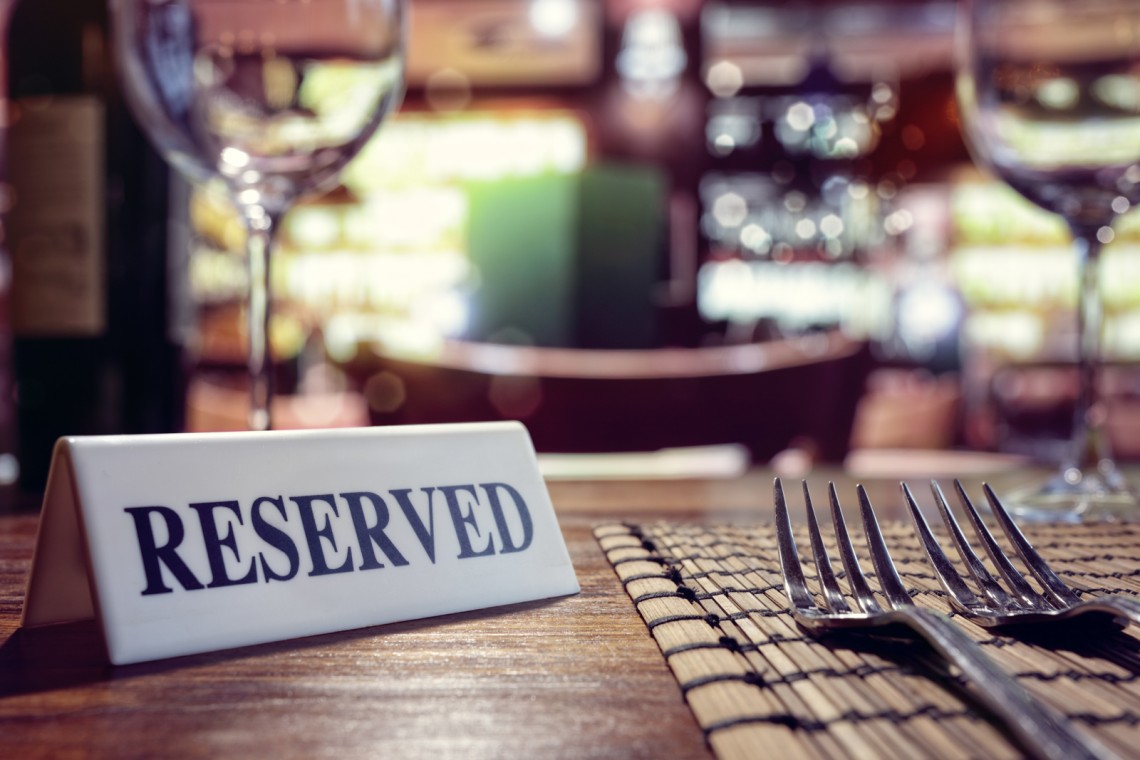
(1018,603)
(1038,730)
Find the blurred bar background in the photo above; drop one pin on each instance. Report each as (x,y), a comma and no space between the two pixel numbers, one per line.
(647,224)
(776,194)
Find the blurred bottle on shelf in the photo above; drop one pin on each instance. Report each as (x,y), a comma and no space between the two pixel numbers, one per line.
(87,239)
(9,463)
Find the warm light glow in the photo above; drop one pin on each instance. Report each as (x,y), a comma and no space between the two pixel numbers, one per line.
(375,281)
(754,215)
(415,150)
(724,79)
(345,95)
(238,159)
(553,18)
(805,229)
(928,312)
(1019,334)
(652,57)
(827,126)
(800,117)
(730,210)
(755,238)
(1016,270)
(1016,276)
(898,222)
(985,213)
(313,227)
(795,296)
(1122,336)
(1051,144)
(1060,94)
(280,82)
(415,218)
(1118,91)
(390,267)
(831,226)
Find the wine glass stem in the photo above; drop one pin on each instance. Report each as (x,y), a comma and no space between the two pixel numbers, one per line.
(1090,446)
(261,228)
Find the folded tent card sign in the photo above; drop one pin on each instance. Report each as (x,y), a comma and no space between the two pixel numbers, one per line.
(189,543)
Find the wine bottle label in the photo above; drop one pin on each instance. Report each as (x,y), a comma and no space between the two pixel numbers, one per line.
(56,225)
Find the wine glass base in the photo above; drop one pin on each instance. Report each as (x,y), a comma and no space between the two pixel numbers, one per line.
(1074,495)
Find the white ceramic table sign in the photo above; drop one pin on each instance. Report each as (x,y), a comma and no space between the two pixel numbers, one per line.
(189,543)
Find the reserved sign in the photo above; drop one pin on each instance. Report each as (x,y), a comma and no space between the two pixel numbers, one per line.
(195,542)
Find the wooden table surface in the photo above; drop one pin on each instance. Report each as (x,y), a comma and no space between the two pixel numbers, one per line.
(576,677)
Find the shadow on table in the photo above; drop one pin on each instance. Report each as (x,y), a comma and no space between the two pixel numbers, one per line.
(1112,646)
(1116,649)
(67,655)
(1088,641)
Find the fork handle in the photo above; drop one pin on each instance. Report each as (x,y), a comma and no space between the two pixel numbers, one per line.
(1042,732)
(1120,606)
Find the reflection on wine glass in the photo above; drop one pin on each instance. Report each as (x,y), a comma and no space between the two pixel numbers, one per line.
(1049,92)
(273,97)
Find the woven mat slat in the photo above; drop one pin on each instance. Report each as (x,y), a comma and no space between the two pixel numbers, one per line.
(712,597)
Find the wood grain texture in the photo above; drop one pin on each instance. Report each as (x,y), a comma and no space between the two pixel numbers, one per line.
(576,677)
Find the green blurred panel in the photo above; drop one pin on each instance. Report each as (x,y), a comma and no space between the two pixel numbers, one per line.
(522,241)
(620,256)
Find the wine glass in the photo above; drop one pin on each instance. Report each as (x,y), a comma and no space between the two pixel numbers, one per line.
(1049,93)
(272,97)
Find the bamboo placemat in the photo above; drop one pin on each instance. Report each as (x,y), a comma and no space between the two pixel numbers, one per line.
(712,597)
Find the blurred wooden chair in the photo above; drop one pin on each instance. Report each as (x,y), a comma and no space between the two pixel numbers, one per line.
(907,409)
(763,395)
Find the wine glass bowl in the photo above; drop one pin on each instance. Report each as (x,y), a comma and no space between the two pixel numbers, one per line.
(1056,119)
(1049,97)
(272,97)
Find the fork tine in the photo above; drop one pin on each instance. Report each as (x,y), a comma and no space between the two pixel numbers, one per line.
(828,584)
(1013,577)
(984,578)
(889,580)
(859,587)
(794,582)
(1054,587)
(1038,730)
(943,568)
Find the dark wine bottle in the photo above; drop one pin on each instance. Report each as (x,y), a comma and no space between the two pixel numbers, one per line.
(86,233)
